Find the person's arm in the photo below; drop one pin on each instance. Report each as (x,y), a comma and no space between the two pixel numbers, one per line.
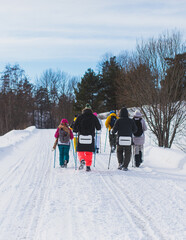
(76,124)
(115,128)
(55,143)
(144,126)
(107,122)
(71,134)
(97,123)
(57,133)
(134,127)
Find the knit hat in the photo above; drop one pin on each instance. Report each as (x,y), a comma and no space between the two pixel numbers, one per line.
(95,113)
(88,106)
(112,111)
(137,114)
(64,121)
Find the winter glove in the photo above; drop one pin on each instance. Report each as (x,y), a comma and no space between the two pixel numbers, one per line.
(55,144)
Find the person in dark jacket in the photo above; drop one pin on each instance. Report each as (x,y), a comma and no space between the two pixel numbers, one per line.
(124,127)
(85,125)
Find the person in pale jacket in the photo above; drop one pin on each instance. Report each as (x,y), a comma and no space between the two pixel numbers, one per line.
(139,137)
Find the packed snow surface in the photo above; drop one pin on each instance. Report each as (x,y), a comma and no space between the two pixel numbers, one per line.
(40,202)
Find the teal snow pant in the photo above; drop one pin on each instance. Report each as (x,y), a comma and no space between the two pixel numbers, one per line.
(63,153)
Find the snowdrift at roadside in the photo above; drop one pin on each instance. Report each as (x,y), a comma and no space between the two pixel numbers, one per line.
(15,136)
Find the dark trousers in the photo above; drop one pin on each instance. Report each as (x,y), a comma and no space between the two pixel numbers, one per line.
(112,140)
(123,155)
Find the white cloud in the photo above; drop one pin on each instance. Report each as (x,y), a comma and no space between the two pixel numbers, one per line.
(86,28)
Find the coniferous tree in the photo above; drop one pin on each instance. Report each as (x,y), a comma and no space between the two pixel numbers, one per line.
(87,91)
(14,113)
(108,76)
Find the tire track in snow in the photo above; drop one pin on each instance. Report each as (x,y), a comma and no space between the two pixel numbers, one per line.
(11,172)
(142,220)
(31,187)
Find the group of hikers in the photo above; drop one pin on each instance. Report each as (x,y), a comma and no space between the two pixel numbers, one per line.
(85,130)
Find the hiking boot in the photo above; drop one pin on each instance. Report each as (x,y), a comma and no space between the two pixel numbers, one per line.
(65,163)
(120,166)
(125,169)
(82,164)
(88,168)
(62,166)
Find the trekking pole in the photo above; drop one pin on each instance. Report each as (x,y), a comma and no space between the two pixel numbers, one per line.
(76,154)
(54,158)
(54,149)
(133,155)
(95,150)
(73,154)
(110,157)
(106,139)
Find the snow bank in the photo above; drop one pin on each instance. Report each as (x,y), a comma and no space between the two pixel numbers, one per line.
(165,159)
(15,136)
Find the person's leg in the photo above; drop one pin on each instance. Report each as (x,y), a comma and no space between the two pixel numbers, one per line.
(88,158)
(127,156)
(114,141)
(137,155)
(81,156)
(111,140)
(98,143)
(141,153)
(61,155)
(66,152)
(120,155)
(75,143)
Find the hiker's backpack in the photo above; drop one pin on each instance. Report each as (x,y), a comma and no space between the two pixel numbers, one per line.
(112,121)
(139,127)
(64,136)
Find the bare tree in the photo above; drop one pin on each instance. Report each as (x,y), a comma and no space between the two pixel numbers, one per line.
(59,88)
(157,86)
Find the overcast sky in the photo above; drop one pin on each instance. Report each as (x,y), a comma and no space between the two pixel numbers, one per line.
(73,35)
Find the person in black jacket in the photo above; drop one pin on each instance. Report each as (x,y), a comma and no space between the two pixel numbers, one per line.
(124,127)
(85,125)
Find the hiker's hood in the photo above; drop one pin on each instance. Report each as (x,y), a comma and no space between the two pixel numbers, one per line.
(64,121)
(123,112)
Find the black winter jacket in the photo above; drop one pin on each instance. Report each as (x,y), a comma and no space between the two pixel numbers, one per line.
(86,124)
(124,126)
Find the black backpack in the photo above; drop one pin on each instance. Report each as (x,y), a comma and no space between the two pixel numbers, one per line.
(112,121)
(139,126)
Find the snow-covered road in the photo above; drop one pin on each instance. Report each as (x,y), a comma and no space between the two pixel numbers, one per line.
(40,202)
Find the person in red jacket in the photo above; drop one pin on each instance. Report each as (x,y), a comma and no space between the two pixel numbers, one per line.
(64,135)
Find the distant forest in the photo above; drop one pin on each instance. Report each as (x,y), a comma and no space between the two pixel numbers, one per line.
(152,78)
